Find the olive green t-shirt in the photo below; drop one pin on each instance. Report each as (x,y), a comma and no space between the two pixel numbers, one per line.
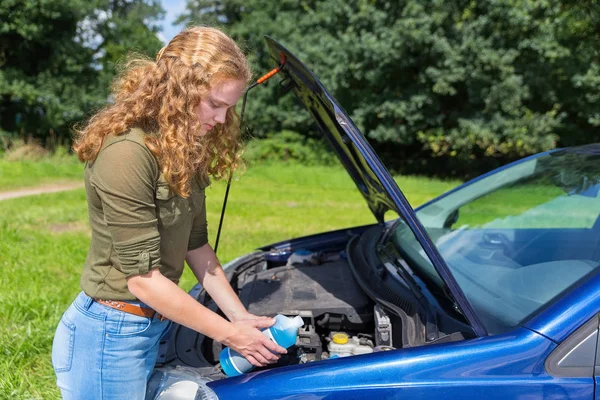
(138,223)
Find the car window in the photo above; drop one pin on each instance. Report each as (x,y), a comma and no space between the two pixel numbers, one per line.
(531,204)
(517,239)
(576,356)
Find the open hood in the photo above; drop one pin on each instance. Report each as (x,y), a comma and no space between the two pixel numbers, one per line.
(366,169)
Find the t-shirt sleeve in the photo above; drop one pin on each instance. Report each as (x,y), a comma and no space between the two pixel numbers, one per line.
(124,175)
(199,233)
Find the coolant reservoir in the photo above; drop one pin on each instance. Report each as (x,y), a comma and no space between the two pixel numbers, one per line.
(342,344)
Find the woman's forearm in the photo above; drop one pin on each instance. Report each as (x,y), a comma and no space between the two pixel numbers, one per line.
(243,336)
(174,303)
(205,266)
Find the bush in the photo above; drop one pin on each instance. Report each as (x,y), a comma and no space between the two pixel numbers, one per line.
(288,146)
(63,154)
(463,82)
(25,151)
(6,138)
(15,149)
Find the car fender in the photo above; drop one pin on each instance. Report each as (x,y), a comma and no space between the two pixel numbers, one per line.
(494,367)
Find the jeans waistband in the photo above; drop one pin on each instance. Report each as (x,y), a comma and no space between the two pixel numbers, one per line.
(86,301)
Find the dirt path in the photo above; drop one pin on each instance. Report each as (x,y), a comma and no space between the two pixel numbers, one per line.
(45,188)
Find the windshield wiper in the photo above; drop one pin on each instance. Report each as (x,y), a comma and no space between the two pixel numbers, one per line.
(384,241)
(416,286)
(388,232)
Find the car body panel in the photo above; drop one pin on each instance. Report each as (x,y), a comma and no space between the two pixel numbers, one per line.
(509,366)
(366,169)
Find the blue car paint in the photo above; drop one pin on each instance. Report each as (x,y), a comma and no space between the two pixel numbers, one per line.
(508,366)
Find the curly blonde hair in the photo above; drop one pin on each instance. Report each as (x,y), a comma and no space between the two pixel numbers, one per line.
(161,97)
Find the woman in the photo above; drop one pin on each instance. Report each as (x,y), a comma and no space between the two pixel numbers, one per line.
(148,157)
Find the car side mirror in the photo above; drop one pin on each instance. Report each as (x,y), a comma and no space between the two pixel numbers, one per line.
(451,219)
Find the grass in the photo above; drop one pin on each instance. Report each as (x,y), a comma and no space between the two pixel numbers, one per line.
(29,173)
(44,240)
(510,201)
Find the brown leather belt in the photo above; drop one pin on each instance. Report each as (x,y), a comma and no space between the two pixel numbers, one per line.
(131,308)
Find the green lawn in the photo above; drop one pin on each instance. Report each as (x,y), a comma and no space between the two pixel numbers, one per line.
(30,173)
(44,239)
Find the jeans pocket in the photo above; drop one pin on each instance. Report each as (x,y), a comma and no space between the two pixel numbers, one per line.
(121,324)
(62,346)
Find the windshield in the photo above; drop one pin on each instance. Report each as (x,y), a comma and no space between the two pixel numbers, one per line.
(516,239)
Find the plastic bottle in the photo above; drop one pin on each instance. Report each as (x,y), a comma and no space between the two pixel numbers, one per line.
(283,333)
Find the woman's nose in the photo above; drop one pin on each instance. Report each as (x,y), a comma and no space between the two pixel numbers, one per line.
(220,117)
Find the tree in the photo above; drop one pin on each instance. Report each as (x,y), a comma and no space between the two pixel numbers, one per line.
(466,80)
(57,58)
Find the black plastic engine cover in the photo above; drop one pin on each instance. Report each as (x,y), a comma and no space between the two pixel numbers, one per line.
(321,289)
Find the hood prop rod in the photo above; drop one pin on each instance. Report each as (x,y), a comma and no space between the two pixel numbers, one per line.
(260,80)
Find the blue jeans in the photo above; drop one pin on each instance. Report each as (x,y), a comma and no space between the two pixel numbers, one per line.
(102,353)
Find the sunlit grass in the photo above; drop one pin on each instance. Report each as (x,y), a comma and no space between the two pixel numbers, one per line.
(520,201)
(29,173)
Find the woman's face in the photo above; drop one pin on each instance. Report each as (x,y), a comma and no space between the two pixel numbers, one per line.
(213,108)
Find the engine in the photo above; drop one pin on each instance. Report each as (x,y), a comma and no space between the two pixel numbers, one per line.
(339,319)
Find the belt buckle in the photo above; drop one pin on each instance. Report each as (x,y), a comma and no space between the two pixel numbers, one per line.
(113,304)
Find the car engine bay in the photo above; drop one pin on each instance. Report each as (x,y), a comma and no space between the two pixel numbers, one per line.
(339,317)
(344,314)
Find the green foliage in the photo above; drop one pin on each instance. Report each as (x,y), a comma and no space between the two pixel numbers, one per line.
(57,58)
(458,86)
(289,146)
(467,80)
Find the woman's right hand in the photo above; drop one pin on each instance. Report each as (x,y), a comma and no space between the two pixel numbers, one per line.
(250,342)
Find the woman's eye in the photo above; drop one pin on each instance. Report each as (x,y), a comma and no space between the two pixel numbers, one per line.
(213,105)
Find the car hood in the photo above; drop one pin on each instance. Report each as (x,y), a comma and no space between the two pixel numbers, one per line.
(372,178)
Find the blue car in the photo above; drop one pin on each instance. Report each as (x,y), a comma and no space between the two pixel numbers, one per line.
(490,291)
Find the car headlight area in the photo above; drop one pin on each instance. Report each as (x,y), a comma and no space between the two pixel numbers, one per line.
(178,383)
